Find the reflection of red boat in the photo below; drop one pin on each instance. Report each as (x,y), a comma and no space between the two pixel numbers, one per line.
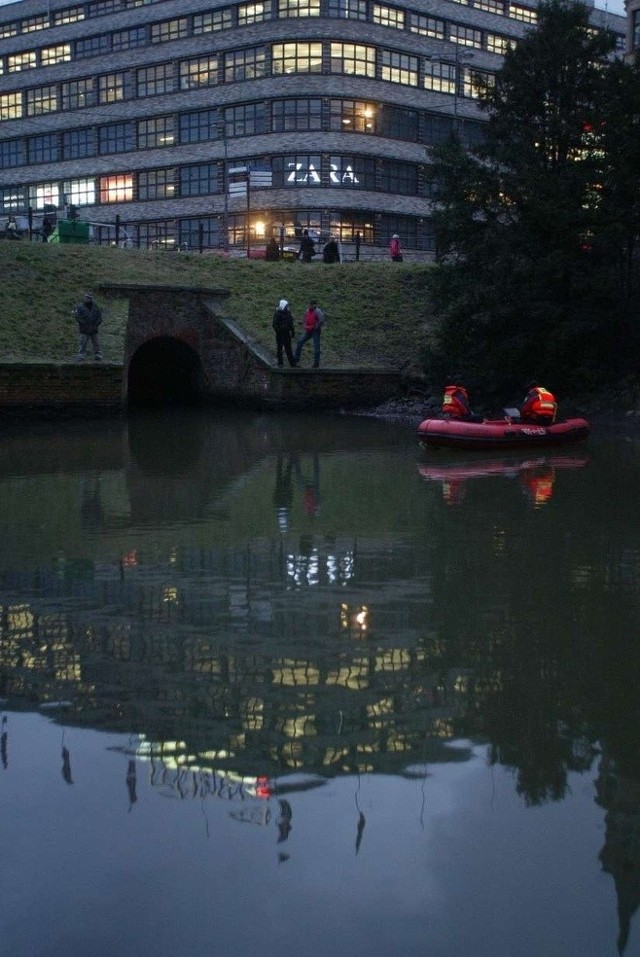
(536,475)
(499,433)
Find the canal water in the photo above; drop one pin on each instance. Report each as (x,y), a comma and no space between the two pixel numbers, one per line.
(288,685)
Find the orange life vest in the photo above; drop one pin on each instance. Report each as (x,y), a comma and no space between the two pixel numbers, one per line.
(540,403)
(455,401)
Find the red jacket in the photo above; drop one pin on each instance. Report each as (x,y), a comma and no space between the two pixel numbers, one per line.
(311,319)
(539,403)
(456,401)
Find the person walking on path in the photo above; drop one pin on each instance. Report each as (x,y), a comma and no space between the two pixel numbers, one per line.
(314,320)
(88,317)
(394,249)
(283,328)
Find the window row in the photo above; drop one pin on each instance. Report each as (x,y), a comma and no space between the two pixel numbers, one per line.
(246,119)
(242,229)
(244,14)
(203,179)
(277,59)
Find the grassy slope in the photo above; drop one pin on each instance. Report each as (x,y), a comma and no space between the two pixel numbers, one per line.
(376,311)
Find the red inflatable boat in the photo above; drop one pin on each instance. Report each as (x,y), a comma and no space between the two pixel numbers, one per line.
(499,433)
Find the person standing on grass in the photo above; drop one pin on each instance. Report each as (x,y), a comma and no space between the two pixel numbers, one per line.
(88,317)
(314,320)
(283,328)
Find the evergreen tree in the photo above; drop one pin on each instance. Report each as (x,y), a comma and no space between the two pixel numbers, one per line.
(535,225)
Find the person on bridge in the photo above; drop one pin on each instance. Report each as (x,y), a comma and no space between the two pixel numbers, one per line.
(283,328)
(314,320)
(88,317)
(539,406)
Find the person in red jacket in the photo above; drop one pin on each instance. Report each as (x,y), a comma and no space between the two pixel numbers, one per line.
(539,405)
(455,402)
(314,320)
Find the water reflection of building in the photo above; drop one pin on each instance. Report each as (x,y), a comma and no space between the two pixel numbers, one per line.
(321,683)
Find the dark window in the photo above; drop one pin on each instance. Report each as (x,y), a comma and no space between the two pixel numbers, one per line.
(245,120)
(92,46)
(199,127)
(78,93)
(191,231)
(435,129)
(13,199)
(244,65)
(300,115)
(398,123)
(348,9)
(116,138)
(154,80)
(12,153)
(157,184)
(201,180)
(43,149)
(159,131)
(130,39)
(76,144)
(398,178)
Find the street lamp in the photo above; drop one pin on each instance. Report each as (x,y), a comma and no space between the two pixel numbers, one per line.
(221,128)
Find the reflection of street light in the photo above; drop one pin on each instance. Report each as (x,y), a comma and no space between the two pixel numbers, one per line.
(458,57)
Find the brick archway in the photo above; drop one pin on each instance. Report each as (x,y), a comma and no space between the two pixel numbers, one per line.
(165,371)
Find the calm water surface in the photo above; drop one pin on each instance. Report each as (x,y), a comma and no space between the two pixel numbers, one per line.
(291,685)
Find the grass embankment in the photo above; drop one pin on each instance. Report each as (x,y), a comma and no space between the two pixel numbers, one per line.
(376,311)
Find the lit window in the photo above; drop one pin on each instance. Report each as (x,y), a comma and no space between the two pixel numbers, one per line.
(440,76)
(399,68)
(296,58)
(353,59)
(353,116)
(298,8)
(11,106)
(70,15)
(79,192)
(53,55)
(522,13)
(201,71)
(21,61)
(490,6)
(498,44)
(34,23)
(253,13)
(117,188)
(426,26)
(465,36)
(388,16)
(44,194)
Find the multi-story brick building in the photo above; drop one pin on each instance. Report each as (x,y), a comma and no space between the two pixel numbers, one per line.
(136,111)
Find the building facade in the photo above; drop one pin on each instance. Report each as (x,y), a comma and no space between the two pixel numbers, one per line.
(151,115)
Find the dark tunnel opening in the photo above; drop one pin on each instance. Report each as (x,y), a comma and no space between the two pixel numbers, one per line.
(166,372)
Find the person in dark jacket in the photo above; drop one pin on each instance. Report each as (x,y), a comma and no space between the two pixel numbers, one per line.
(272,251)
(331,253)
(307,247)
(88,317)
(283,328)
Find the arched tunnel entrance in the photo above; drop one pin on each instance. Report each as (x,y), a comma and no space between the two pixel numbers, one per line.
(165,371)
